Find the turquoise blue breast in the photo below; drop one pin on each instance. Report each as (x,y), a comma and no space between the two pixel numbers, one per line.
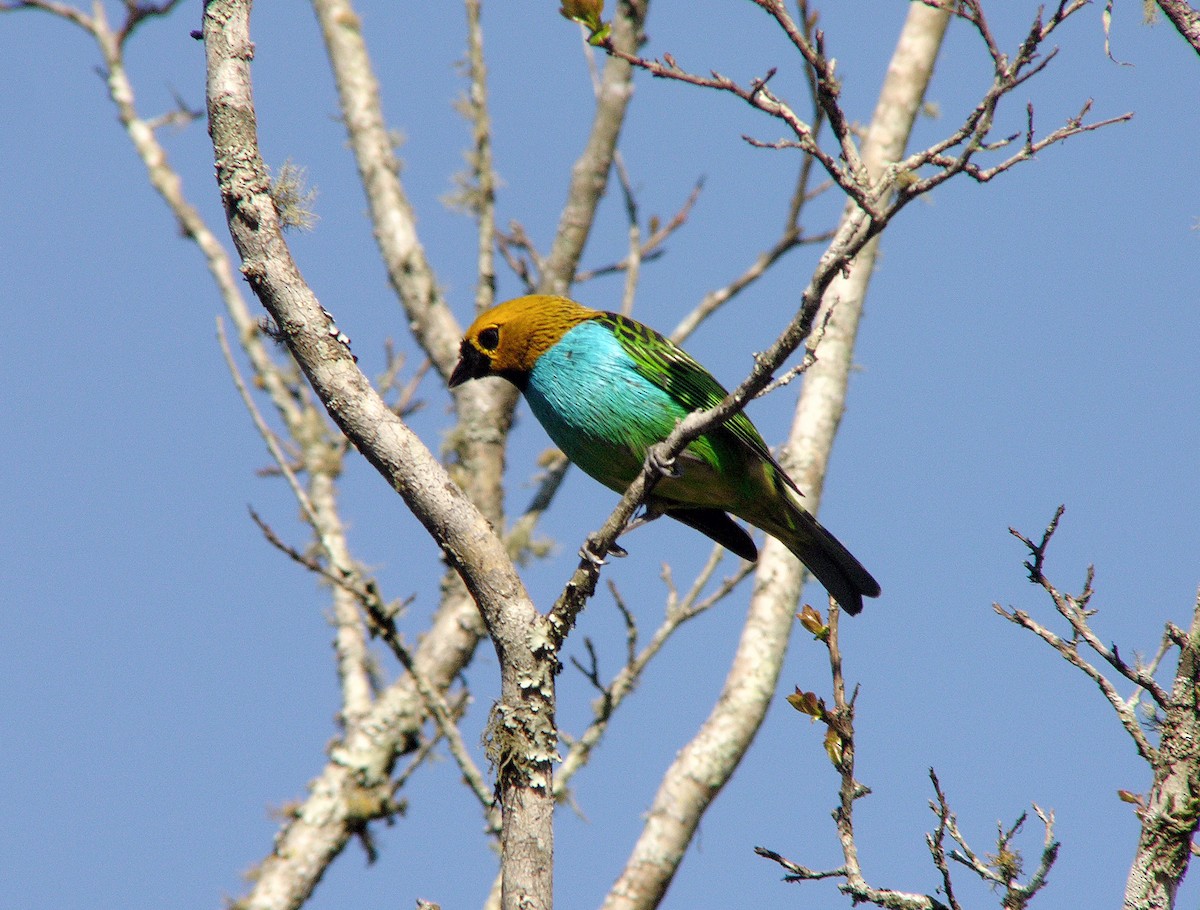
(587,394)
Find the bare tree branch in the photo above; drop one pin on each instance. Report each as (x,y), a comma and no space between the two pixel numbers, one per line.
(443,716)
(319,509)
(714,300)
(652,247)
(523,743)
(1185,18)
(483,193)
(612,694)
(1073,608)
(589,176)
(403,255)
(1170,813)
(1003,869)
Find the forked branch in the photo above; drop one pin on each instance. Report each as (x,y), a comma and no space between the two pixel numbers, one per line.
(1170,811)
(1001,869)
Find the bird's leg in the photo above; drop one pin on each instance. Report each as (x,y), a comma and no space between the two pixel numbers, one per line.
(635,522)
(588,552)
(648,514)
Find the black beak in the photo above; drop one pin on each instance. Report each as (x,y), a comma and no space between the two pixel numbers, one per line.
(471,365)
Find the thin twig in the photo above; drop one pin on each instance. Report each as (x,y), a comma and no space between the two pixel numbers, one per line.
(613,694)
(483,194)
(633,261)
(522,256)
(444,719)
(1073,608)
(267,434)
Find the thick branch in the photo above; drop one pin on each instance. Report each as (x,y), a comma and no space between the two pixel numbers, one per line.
(1171,812)
(483,193)
(705,764)
(525,740)
(1185,19)
(392,216)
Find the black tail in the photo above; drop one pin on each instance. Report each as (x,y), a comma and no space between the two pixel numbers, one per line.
(835,567)
(718,526)
(829,562)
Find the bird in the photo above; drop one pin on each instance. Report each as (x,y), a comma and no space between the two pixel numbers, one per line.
(606,388)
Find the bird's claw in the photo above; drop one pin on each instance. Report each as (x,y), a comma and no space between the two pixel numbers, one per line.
(665,466)
(588,554)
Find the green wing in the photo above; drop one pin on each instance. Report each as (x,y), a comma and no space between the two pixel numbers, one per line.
(677,373)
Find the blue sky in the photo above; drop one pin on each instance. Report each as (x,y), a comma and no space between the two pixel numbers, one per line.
(168,676)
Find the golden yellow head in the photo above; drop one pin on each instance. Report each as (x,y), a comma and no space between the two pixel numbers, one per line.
(508,339)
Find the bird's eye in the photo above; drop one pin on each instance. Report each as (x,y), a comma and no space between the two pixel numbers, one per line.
(489,338)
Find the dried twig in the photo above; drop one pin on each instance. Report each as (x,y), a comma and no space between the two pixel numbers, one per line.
(1169,813)
(1074,609)
(613,693)
(1003,869)
(652,247)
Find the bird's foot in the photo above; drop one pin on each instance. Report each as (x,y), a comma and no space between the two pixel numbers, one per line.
(589,554)
(665,466)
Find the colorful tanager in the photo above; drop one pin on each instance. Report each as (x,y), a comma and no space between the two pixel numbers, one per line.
(607,388)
